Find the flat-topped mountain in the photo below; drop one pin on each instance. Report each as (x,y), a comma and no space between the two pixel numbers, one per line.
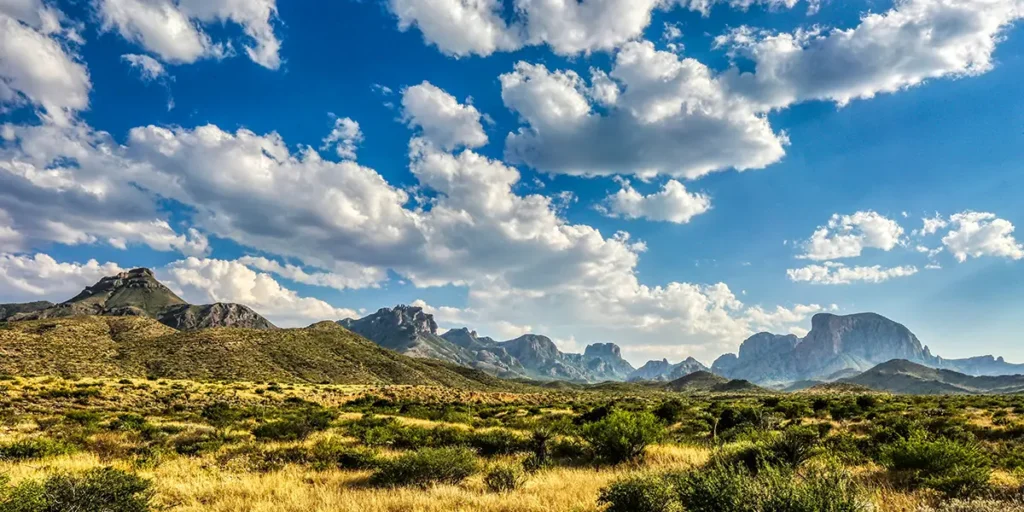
(137,292)
(665,371)
(837,346)
(411,331)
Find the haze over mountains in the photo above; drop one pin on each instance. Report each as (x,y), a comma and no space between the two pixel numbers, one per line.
(865,349)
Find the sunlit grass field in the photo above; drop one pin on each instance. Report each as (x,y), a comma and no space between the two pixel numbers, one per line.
(190,446)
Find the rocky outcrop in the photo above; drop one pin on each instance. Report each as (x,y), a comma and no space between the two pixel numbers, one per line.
(665,371)
(137,292)
(411,331)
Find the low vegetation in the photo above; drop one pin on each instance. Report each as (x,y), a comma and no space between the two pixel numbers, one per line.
(153,444)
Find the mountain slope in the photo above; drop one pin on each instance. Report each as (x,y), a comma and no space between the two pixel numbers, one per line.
(138,293)
(413,332)
(902,376)
(138,346)
(9,310)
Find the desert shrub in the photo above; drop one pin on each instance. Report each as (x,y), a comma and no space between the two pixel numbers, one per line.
(498,441)
(791,448)
(670,411)
(504,478)
(722,488)
(958,470)
(219,414)
(195,442)
(426,466)
(595,414)
(332,452)
(297,426)
(87,419)
(641,493)
(128,421)
(35,448)
(622,435)
(99,489)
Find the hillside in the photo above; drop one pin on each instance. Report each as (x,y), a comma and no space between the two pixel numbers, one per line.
(902,376)
(704,381)
(665,371)
(137,292)
(140,346)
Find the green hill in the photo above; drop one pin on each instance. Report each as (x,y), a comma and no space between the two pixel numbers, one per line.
(902,376)
(703,381)
(93,346)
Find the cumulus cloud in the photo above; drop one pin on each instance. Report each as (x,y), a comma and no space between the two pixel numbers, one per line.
(673,203)
(442,119)
(26,278)
(662,115)
(781,317)
(148,67)
(845,236)
(38,65)
(838,273)
(914,41)
(977,234)
(345,138)
(203,281)
(931,225)
(344,277)
(173,30)
(568,27)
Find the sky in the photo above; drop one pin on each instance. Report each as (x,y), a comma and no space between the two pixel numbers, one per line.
(668,175)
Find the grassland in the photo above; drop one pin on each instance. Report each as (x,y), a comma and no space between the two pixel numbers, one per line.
(269,446)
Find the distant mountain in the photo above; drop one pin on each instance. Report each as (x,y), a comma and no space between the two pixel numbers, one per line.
(138,346)
(665,371)
(902,376)
(137,292)
(411,331)
(9,310)
(838,346)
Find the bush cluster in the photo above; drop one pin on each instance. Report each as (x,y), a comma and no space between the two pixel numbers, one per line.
(426,466)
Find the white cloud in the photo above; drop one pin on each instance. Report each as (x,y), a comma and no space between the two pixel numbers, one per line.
(914,41)
(672,204)
(977,234)
(148,67)
(37,64)
(664,115)
(931,225)
(345,137)
(211,280)
(569,27)
(344,277)
(846,236)
(781,317)
(837,273)
(173,29)
(25,278)
(443,120)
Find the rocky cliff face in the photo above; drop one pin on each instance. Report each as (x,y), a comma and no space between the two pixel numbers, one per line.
(665,371)
(137,292)
(838,345)
(9,310)
(411,331)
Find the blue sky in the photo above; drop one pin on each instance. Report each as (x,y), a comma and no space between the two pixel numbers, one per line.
(796,149)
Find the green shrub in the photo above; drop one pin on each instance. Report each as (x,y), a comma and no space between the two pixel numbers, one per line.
(295,427)
(622,435)
(195,442)
(504,478)
(498,441)
(128,421)
(958,470)
(426,466)
(99,489)
(332,453)
(35,448)
(219,414)
(670,411)
(642,493)
(721,488)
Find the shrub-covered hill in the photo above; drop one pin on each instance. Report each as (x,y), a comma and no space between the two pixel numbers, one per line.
(94,346)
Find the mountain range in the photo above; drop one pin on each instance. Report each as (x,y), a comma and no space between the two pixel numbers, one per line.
(170,337)
(411,331)
(137,292)
(839,346)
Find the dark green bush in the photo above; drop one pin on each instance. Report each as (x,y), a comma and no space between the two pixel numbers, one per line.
(296,426)
(642,493)
(722,488)
(426,466)
(504,478)
(959,470)
(499,441)
(622,435)
(332,453)
(670,411)
(99,489)
(35,448)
